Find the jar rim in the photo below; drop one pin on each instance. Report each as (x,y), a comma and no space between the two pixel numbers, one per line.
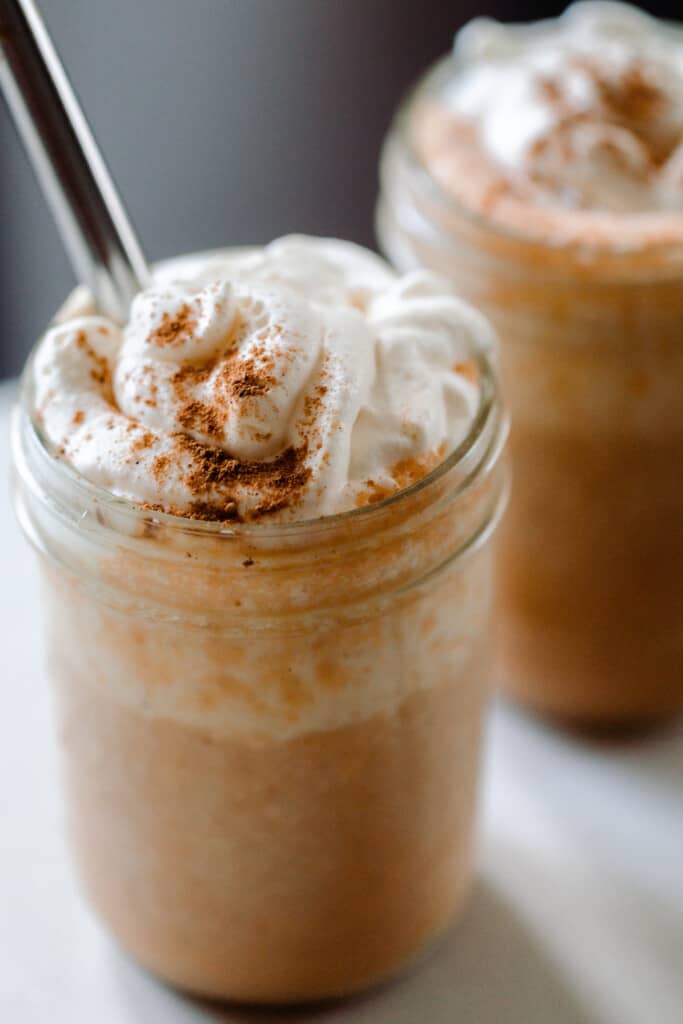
(402,128)
(488,428)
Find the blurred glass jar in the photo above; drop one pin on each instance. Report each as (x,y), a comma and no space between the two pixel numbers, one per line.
(590,556)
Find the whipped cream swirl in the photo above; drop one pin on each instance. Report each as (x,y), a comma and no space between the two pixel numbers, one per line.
(585,110)
(288,382)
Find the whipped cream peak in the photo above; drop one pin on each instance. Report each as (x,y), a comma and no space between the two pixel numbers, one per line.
(224,363)
(287,382)
(179,322)
(585,110)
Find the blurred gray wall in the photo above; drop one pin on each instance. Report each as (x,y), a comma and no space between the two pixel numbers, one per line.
(223,121)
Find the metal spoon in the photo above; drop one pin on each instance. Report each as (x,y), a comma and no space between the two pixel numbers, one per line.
(95,229)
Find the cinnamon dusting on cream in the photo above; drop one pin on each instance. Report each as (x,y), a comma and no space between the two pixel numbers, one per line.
(278,384)
(174,329)
(279,482)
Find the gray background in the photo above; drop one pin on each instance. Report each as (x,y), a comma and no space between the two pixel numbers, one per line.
(223,121)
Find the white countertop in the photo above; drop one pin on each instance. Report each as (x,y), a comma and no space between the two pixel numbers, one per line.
(577,916)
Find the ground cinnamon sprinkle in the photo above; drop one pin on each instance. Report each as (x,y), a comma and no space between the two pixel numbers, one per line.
(153,390)
(313,404)
(468,369)
(233,378)
(550,90)
(189,376)
(247,384)
(279,482)
(249,377)
(79,416)
(632,101)
(100,372)
(633,96)
(199,416)
(204,510)
(199,510)
(403,473)
(160,467)
(141,443)
(173,330)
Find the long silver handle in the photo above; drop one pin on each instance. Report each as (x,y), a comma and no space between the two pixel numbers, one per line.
(95,229)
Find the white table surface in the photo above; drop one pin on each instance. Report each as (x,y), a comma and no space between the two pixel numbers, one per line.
(576,918)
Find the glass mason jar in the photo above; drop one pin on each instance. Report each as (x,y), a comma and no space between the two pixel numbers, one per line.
(270,733)
(590,556)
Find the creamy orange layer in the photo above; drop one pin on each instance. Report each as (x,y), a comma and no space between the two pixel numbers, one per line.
(271,739)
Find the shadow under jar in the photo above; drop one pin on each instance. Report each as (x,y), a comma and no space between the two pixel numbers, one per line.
(270,734)
(590,556)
